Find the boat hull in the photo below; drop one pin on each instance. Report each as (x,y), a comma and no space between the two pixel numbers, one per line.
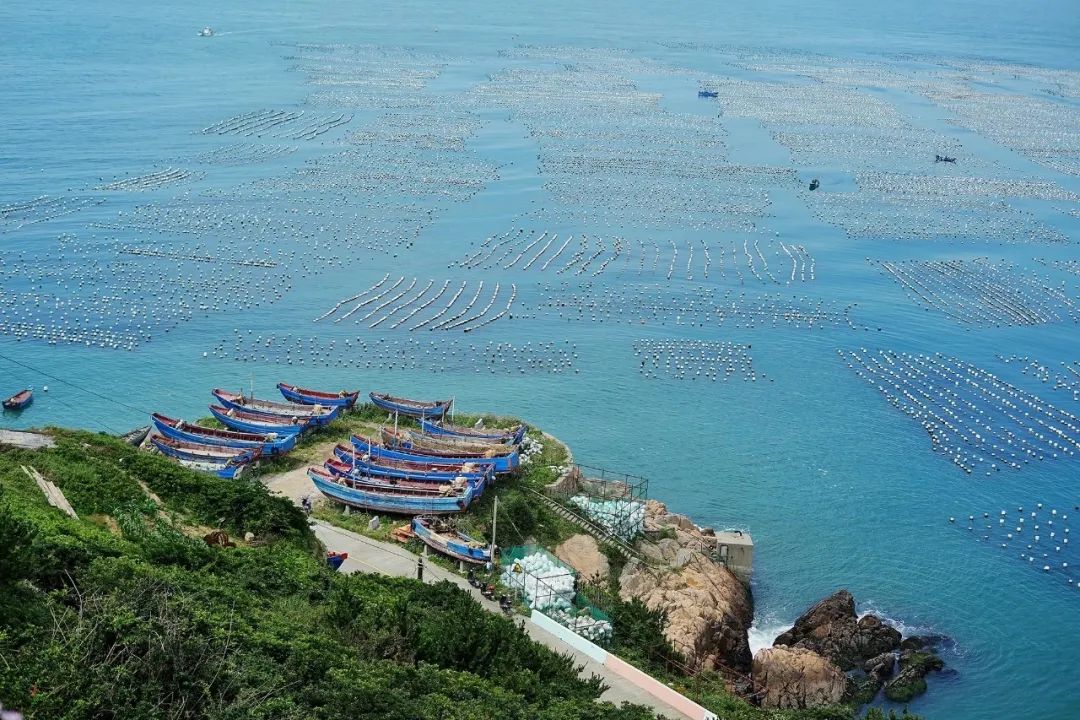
(214,454)
(373,466)
(304,396)
(453,545)
(513,437)
(19,401)
(436,409)
(248,425)
(366,446)
(506,462)
(276,410)
(386,502)
(179,430)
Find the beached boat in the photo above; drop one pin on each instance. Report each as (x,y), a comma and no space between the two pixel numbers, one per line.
(365,464)
(452,443)
(412,408)
(257,423)
(339,489)
(19,400)
(304,396)
(505,457)
(438,535)
(270,444)
(512,435)
(501,464)
(218,454)
(340,468)
(317,414)
(229,472)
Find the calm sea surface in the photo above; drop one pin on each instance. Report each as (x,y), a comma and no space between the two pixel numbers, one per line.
(838,488)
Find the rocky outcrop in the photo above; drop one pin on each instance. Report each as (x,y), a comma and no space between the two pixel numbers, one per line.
(797,678)
(832,629)
(914,667)
(709,610)
(582,553)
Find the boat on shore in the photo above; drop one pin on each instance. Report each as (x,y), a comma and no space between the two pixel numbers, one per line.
(216,454)
(505,457)
(412,408)
(270,444)
(340,468)
(500,465)
(19,400)
(342,490)
(509,436)
(258,423)
(439,535)
(228,472)
(391,467)
(305,396)
(316,414)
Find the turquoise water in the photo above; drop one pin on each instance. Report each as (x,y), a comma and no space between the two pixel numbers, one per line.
(838,488)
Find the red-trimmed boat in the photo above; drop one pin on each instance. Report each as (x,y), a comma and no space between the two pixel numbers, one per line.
(316,414)
(434,409)
(270,444)
(433,470)
(257,423)
(305,396)
(216,454)
(19,400)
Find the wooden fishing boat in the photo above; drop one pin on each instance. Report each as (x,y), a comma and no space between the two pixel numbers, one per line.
(439,535)
(19,400)
(228,472)
(501,464)
(218,454)
(455,443)
(255,423)
(316,414)
(505,457)
(340,468)
(387,501)
(512,436)
(270,444)
(304,396)
(412,408)
(390,467)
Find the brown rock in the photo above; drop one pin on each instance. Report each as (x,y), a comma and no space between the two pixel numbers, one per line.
(832,630)
(797,678)
(582,553)
(708,609)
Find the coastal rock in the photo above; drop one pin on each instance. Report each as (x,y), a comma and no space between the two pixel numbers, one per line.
(582,553)
(910,683)
(708,609)
(832,629)
(797,678)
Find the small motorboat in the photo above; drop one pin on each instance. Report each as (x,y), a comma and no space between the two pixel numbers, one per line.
(19,400)
(708,93)
(944,158)
(206,32)
(815,184)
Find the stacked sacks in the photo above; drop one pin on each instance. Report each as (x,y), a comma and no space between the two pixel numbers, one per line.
(529,449)
(624,518)
(584,624)
(542,580)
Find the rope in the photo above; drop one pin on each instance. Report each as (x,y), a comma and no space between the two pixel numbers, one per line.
(106,398)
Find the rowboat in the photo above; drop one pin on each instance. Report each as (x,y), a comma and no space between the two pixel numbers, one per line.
(270,444)
(512,435)
(304,396)
(19,400)
(317,414)
(255,423)
(390,467)
(228,472)
(356,477)
(505,457)
(438,535)
(450,443)
(217,454)
(501,464)
(412,408)
(386,501)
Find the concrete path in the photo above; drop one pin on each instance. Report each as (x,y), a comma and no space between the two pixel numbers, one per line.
(368,555)
(27,440)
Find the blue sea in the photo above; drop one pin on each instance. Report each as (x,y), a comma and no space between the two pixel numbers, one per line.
(139,183)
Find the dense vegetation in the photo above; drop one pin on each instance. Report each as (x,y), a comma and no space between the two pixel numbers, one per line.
(127,613)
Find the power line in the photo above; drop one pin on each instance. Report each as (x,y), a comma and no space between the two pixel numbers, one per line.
(88,391)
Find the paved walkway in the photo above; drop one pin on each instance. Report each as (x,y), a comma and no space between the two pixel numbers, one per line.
(368,555)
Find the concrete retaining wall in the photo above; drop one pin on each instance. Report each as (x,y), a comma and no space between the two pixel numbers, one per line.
(620,667)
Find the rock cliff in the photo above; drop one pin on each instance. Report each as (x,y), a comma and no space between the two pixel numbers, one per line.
(797,678)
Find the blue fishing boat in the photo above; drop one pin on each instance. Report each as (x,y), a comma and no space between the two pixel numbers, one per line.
(228,472)
(438,535)
(364,463)
(412,408)
(364,445)
(708,93)
(315,414)
(304,396)
(272,444)
(19,400)
(510,436)
(360,478)
(252,423)
(397,502)
(216,454)
(505,457)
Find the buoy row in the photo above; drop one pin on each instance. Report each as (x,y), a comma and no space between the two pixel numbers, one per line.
(695,359)
(43,208)
(153,181)
(244,154)
(1065,379)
